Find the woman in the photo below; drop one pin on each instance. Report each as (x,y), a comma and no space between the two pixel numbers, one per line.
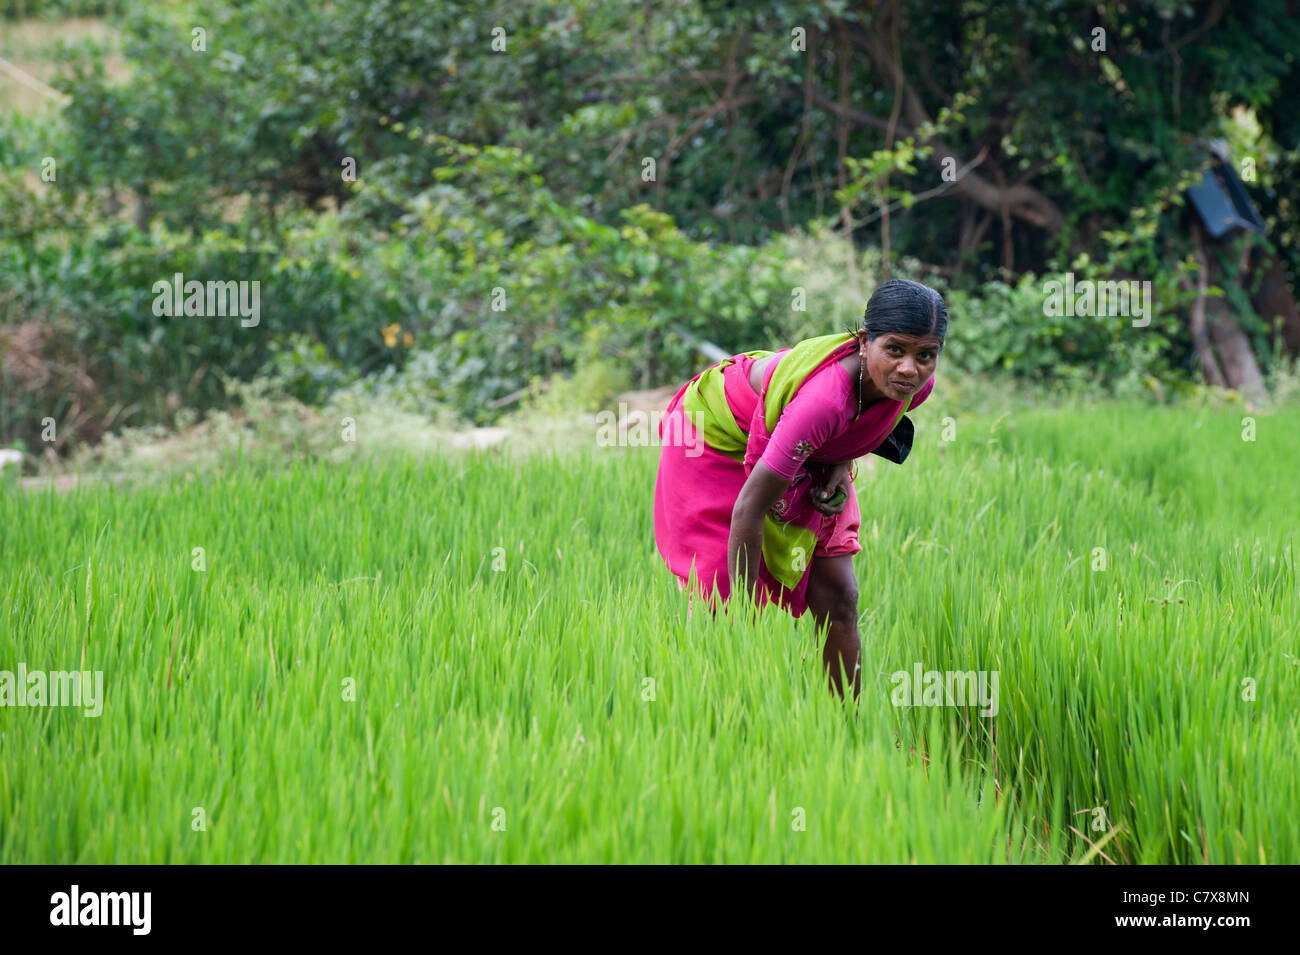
(768,441)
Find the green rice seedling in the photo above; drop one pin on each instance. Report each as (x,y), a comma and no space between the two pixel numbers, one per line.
(483,659)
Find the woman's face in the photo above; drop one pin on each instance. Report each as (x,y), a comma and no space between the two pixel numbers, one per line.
(898,365)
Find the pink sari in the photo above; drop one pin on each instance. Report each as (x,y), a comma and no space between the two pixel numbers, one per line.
(698,483)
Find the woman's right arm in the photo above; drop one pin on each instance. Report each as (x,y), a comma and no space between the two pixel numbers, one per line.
(810,418)
(762,489)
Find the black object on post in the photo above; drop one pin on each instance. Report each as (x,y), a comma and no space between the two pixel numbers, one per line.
(1221,201)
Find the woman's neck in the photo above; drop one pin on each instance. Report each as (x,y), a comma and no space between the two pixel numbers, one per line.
(852,365)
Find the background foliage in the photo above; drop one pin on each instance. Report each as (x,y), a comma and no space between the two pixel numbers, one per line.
(500,230)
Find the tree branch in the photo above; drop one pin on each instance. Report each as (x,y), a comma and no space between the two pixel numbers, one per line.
(1021,201)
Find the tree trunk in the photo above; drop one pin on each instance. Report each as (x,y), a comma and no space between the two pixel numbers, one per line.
(1229,342)
(1273,300)
(1239,365)
(1200,333)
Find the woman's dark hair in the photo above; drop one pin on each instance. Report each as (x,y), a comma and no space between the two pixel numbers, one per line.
(908,308)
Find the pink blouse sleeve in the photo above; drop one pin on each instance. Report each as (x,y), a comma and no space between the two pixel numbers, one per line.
(815,413)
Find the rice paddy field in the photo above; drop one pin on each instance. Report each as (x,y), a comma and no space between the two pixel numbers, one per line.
(482,658)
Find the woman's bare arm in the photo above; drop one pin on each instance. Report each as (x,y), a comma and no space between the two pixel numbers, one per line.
(762,489)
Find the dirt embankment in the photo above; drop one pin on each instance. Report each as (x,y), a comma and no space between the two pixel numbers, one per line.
(290,430)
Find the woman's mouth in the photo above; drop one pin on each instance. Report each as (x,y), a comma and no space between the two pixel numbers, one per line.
(904,385)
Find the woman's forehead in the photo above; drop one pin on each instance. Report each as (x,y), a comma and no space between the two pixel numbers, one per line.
(916,341)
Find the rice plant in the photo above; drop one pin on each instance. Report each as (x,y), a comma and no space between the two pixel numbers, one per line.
(483,659)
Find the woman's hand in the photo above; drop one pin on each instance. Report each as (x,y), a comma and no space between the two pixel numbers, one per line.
(828,483)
